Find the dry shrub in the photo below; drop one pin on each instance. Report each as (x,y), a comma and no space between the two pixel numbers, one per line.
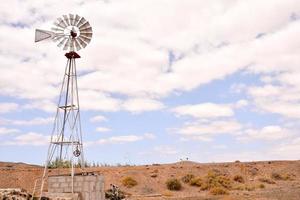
(266,180)
(218,191)
(173,184)
(216,180)
(261,186)
(196,182)
(187,178)
(239,178)
(249,187)
(277,176)
(129,182)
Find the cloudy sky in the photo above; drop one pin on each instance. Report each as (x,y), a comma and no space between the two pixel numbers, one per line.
(160,81)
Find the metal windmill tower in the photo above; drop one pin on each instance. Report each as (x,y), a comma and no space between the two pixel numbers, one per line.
(71,32)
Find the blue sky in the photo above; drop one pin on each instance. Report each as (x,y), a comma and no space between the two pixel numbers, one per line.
(209,81)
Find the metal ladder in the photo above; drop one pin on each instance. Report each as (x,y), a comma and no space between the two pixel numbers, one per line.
(37,187)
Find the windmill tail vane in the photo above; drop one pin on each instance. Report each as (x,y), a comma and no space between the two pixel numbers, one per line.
(71,33)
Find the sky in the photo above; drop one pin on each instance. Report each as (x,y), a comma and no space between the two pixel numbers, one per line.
(161,80)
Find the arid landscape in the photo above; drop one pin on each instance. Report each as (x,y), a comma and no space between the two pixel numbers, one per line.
(264,180)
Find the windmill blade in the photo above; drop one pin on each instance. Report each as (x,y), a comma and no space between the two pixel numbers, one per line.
(81,22)
(77,45)
(61,22)
(57,29)
(57,37)
(77,18)
(81,42)
(62,42)
(67,44)
(88,35)
(72,19)
(66,20)
(85,25)
(85,39)
(88,30)
(43,35)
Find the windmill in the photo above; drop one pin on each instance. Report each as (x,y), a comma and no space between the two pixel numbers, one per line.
(70,32)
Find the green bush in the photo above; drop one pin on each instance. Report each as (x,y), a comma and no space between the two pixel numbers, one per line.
(173,184)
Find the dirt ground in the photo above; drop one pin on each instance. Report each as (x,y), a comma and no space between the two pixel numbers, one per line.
(151,179)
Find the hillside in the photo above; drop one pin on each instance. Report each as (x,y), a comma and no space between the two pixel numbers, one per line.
(260,180)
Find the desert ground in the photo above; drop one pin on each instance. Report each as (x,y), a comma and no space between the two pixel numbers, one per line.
(264,180)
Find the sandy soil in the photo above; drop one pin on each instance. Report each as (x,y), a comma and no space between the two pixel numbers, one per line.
(151,179)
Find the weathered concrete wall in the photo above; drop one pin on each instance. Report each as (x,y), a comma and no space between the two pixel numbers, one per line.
(89,187)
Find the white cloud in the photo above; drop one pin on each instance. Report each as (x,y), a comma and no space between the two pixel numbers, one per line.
(8,131)
(287,150)
(98,118)
(8,107)
(165,150)
(241,103)
(34,121)
(204,110)
(203,128)
(141,105)
(93,100)
(31,139)
(103,129)
(149,136)
(134,55)
(120,139)
(267,133)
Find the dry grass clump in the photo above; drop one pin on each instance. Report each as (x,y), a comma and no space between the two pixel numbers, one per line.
(196,182)
(218,191)
(187,178)
(238,178)
(277,176)
(249,187)
(173,184)
(266,180)
(216,179)
(129,182)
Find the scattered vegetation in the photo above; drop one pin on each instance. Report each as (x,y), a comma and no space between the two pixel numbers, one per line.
(217,180)
(277,176)
(238,178)
(111,195)
(249,187)
(59,164)
(266,180)
(261,186)
(218,191)
(214,181)
(129,182)
(173,184)
(196,182)
(187,178)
